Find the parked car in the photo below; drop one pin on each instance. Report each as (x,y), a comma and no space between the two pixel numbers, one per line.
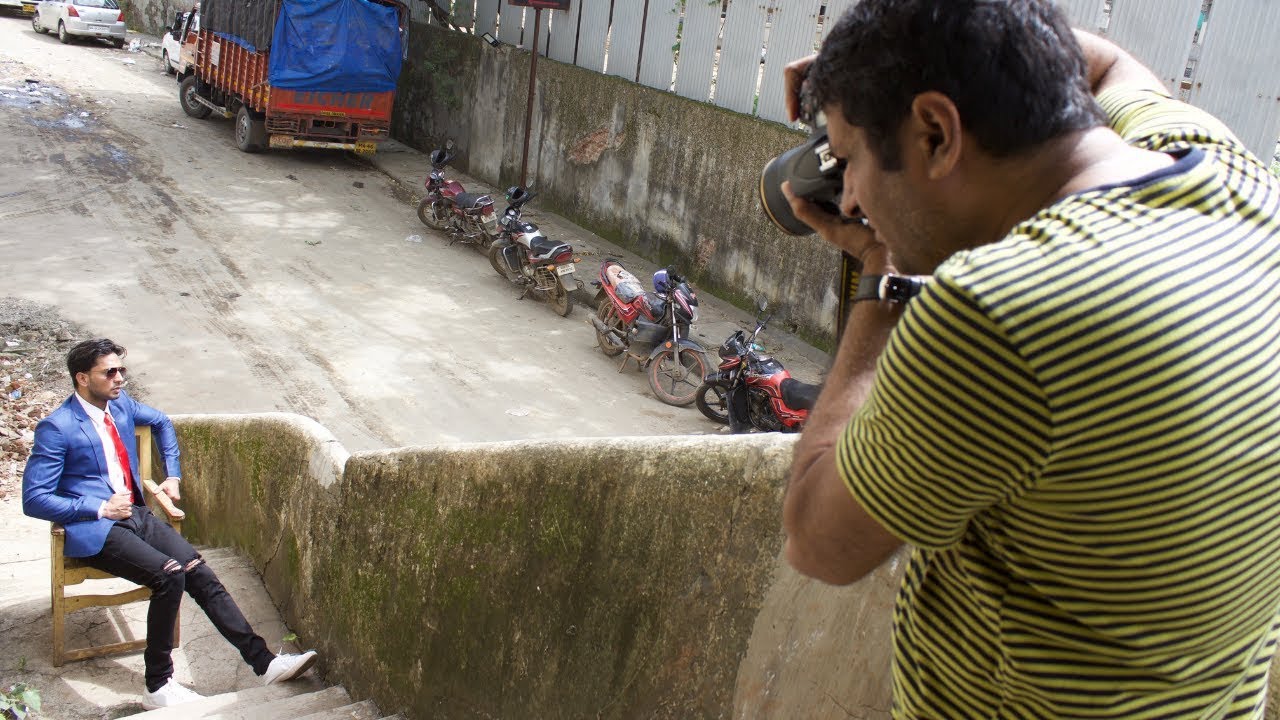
(81,18)
(171,44)
(26,7)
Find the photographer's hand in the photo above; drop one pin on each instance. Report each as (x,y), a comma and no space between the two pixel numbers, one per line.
(793,78)
(850,236)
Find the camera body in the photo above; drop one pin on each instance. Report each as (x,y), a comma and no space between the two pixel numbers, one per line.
(814,173)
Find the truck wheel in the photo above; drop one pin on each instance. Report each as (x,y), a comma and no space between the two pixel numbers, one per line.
(251,132)
(187,97)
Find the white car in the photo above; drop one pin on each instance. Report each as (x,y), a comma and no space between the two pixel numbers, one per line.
(80,18)
(171,44)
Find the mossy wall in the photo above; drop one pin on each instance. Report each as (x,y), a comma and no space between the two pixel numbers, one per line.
(674,180)
(614,578)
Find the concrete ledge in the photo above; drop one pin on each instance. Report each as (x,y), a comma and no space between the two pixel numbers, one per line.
(612,578)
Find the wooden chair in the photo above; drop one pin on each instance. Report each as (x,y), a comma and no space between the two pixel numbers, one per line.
(73,571)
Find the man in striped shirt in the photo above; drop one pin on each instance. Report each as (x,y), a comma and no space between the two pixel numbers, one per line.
(1076,424)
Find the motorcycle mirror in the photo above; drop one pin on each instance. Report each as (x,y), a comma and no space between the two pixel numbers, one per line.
(448,144)
(762,304)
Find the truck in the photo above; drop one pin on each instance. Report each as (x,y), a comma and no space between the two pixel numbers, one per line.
(295,73)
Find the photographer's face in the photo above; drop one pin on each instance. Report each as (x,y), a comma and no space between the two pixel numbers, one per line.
(892,201)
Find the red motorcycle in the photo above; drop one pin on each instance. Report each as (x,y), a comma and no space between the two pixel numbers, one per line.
(753,390)
(467,217)
(652,328)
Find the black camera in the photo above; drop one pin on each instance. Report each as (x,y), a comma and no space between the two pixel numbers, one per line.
(814,173)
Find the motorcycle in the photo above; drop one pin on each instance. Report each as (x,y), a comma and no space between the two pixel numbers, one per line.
(467,217)
(522,254)
(752,390)
(651,328)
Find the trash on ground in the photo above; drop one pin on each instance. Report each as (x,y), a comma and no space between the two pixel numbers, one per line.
(84,114)
(313,242)
(135,45)
(129,61)
(357,184)
(414,238)
(518,412)
(180,126)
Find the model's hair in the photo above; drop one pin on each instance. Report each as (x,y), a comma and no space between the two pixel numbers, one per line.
(1013,68)
(84,355)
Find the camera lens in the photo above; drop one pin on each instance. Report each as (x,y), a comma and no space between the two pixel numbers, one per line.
(815,176)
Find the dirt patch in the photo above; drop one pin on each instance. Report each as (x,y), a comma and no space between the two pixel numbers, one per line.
(34,341)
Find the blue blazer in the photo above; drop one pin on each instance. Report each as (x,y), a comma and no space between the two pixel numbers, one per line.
(66,479)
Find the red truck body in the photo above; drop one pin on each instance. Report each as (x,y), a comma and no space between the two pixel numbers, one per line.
(230,75)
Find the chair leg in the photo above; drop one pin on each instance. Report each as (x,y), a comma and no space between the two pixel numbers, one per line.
(59,606)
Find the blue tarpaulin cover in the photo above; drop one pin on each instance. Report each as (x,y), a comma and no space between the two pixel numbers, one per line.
(335,46)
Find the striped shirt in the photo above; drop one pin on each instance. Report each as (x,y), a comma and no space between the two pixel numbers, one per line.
(1078,430)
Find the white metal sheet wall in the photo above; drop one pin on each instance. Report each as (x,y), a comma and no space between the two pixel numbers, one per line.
(657,62)
(794,35)
(1236,77)
(564,33)
(1157,32)
(464,13)
(1084,14)
(835,9)
(624,38)
(698,40)
(510,25)
(744,30)
(486,16)
(544,30)
(593,31)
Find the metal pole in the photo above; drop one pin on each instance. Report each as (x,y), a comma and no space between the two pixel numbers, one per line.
(528,115)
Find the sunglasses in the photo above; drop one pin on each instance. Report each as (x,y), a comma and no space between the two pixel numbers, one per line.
(111,372)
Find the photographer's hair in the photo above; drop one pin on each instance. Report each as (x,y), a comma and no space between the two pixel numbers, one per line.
(84,355)
(1013,68)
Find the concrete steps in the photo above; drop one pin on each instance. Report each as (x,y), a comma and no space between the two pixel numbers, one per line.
(284,701)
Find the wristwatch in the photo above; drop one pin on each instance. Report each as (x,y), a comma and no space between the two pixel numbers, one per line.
(889,288)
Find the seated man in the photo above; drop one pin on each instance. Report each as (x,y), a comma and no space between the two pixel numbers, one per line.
(81,475)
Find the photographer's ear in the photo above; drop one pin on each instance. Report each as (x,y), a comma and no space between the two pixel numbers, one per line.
(934,133)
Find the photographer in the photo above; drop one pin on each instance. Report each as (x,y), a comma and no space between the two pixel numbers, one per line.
(1075,424)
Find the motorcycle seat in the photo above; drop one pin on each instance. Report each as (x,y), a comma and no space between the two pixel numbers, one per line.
(472,200)
(541,246)
(799,395)
(626,285)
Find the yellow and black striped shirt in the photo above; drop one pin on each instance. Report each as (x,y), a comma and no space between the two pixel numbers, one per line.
(1078,428)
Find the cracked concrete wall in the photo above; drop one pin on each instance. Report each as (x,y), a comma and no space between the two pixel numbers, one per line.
(580,578)
(674,180)
(153,17)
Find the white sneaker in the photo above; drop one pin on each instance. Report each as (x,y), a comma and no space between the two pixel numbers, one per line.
(169,694)
(288,667)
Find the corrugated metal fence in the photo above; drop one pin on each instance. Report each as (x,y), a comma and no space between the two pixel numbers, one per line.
(731,52)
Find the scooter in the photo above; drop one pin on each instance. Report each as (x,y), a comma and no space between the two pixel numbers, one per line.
(652,328)
(752,390)
(467,217)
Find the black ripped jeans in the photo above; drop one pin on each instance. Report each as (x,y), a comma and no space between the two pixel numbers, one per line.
(145,550)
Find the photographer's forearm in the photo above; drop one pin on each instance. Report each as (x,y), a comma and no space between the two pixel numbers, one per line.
(1110,66)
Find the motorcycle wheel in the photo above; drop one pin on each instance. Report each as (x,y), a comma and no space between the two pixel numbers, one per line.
(559,300)
(433,213)
(713,402)
(496,261)
(677,384)
(609,316)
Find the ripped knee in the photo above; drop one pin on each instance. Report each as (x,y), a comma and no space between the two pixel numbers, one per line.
(173,567)
(193,564)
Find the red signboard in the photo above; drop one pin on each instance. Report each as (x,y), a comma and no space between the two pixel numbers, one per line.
(544,4)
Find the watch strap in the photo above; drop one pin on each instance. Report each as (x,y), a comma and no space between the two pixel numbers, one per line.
(868,288)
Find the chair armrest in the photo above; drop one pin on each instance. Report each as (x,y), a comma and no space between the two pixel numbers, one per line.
(165,503)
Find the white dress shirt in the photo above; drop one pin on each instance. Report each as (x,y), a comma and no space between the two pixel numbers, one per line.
(115,473)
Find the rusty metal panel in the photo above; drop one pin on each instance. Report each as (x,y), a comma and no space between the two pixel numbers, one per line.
(592,33)
(486,16)
(657,60)
(511,25)
(794,34)
(1236,77)
(624,39)
(1084,14)
(699,36)
(564,34)
(1157,32)
(834,9)
(741,53)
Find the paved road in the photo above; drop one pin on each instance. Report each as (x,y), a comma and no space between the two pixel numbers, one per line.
(281,281)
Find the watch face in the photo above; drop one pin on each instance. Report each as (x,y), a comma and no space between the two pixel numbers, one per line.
(899,289)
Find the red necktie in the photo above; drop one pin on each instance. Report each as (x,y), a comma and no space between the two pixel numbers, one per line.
(121,454)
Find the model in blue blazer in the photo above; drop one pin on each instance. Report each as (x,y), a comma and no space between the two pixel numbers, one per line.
(66,480)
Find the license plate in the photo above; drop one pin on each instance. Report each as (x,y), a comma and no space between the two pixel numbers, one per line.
(565,269)
(98,28)
(29,9)
(366,148)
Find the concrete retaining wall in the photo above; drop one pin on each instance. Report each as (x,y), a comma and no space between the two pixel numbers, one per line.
(590,578)
(153,17)
(671,179)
